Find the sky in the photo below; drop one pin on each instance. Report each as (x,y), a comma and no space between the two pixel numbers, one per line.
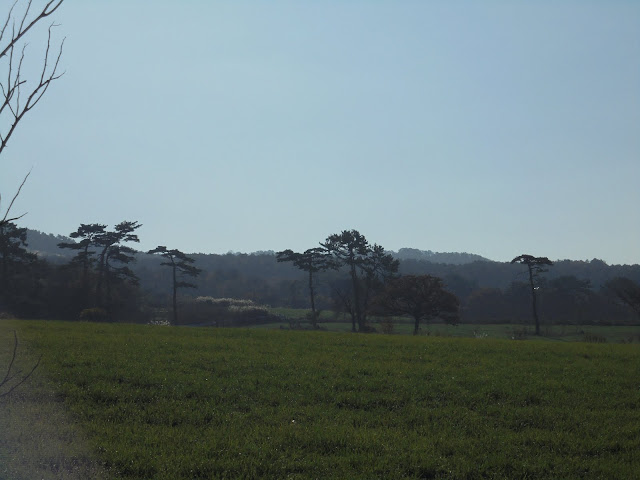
(497,128)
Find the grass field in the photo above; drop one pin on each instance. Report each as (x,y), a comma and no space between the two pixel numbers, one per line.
(404,326)
(170,403)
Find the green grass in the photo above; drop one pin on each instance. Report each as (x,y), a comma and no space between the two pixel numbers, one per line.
(170,403)
(404,326)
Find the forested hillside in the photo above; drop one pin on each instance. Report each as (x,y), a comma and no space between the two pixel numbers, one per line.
(490,292)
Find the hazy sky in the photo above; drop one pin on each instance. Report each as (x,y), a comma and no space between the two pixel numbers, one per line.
(496,127)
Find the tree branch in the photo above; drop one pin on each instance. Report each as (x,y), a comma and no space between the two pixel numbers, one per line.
(5,219)
(15,37)
(14,83)
(10,375)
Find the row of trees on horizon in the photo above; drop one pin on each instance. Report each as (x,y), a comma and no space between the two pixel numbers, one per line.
(107,279)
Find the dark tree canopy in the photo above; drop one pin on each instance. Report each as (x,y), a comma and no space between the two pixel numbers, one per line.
(105,250)
(369,267)
(421,297)
(626,291)
(13,255)
(113,258)
(89,234)
(538,264)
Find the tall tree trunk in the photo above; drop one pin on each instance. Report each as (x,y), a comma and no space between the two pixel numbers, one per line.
(534,305)
(356,296)
(313,303)
(175,296)
(101,274)
(107,280)
(4,283)
(85,277)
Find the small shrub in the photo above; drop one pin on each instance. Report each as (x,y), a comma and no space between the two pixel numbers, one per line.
(439,333)
(95,314)
(250,310)
(387,325)
(159,322)
(294,324)
(631,338)
(519,333)
(226,302)
(594,338)
(224,312)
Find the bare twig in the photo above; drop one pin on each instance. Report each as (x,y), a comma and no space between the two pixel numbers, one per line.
(46,11)
(10,375)
(6,218)
(11,88)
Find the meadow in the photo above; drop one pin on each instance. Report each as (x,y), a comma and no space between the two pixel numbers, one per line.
(328,321)
(170,403)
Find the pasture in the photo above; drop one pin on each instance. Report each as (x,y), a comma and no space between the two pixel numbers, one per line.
(404,326)
(170,403)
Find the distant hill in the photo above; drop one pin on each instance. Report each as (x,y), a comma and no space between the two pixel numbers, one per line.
(46,245)
(451,258)
(261,267)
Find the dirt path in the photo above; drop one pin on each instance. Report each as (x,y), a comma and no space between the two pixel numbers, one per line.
(38,437)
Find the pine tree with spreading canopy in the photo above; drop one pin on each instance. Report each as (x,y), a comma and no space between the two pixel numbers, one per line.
(181,265)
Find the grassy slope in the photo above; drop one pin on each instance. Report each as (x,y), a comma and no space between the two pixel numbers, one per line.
(160,402)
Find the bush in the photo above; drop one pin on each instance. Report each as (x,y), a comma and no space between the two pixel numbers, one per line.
(594,338)
(367,329)
(225,302)
(387,325)
(631,338)
(224,312)
(95,314)
(519,333)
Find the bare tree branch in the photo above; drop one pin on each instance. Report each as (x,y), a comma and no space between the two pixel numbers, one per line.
(15,38)
(11,104)
(5,219)
(18,94)
(10,375)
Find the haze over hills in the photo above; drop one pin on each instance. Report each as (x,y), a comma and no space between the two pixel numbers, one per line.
(489,291)
(451,258)
(46,244)
(479,271)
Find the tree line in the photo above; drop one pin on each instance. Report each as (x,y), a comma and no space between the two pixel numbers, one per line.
(106,278)
(97,283)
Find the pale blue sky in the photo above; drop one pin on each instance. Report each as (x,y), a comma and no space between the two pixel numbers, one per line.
(495,128)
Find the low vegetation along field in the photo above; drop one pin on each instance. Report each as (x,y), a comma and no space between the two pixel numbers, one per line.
(169,403)
(297,319)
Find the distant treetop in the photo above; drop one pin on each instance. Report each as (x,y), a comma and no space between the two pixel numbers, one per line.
(451,258)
